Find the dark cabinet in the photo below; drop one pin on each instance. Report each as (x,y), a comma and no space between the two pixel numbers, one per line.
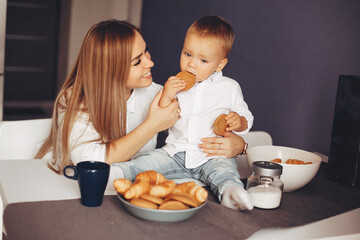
(31,47)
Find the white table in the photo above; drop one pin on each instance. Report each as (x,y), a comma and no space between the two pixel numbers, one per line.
(344,226)
(32,180)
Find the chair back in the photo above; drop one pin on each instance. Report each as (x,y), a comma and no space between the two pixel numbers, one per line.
(257,138)
(1,217)
(252,138)
(22,139)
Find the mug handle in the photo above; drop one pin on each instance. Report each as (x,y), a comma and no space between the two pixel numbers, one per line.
(75,176)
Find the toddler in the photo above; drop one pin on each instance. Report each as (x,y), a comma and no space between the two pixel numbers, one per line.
(207,44)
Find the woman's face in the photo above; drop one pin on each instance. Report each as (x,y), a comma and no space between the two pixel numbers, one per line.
(141,64)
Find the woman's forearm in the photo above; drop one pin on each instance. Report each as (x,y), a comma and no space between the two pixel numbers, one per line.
(123,149)
(158,119)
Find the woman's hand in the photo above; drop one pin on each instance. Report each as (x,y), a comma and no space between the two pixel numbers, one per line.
(162,118)
(228,146)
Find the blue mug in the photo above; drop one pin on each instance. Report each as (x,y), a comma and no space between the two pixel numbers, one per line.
(92,177)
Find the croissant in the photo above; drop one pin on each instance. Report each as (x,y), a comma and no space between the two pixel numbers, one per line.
(122,185)
(296,161)
(199,192)
(183,187)
(152,177)
(163,189)
(194,190)
(137,189)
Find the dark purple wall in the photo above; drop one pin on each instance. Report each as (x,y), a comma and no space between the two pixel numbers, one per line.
(287,57)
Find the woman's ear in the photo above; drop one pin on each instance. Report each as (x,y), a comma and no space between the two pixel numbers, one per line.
(222,64)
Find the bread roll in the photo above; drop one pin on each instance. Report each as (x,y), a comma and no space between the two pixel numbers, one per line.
(185,198)
(152,199)
(152,177)
(139,188)
(163,189)
(183,187)
(122,185)
(173,205)
(143,203)
(198,192)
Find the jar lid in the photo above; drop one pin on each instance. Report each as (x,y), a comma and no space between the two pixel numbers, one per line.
(265,168)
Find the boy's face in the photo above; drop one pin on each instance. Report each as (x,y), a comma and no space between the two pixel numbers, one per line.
(201,56)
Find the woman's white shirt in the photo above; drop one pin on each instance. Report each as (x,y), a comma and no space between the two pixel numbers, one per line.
(82,146)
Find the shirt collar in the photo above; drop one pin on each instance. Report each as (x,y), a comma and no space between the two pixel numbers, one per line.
(216,76)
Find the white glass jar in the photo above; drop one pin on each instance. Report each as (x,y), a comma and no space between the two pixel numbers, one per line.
(264,184)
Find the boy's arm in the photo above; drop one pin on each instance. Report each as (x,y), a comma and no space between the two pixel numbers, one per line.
(164,101)
(240,107)
(172,86)
(244,124)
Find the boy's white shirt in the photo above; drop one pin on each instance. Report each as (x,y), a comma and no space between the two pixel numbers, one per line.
(200,106)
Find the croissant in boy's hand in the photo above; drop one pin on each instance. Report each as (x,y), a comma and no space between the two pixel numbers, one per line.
(152,190)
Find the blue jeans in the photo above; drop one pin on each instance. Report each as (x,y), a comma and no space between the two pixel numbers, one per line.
(217,173)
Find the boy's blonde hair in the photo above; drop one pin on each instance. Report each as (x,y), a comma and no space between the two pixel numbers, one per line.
(214,27)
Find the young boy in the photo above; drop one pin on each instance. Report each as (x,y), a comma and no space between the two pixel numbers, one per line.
(207,44)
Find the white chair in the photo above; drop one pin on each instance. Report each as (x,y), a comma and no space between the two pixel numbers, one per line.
(257,138)
(1,217)
(252,138)
(21,139)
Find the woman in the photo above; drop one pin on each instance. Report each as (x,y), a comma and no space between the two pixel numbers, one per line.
(107,109)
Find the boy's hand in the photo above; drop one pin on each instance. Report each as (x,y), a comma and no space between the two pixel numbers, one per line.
(235,122)
(172,86)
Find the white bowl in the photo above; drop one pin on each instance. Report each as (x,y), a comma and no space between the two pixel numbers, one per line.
(294,176)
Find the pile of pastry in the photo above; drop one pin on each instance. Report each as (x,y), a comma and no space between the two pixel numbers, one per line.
(152,190)
(291,161)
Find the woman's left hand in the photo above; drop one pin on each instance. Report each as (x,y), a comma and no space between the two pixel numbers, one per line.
(228,146)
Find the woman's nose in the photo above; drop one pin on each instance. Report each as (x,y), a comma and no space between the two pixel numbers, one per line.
(149,62)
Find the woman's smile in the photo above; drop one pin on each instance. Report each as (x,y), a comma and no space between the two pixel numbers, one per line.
(147,75)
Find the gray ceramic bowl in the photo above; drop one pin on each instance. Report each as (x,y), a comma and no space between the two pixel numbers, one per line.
(160,215)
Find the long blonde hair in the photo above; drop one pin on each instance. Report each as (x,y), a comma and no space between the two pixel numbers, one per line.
(96,86)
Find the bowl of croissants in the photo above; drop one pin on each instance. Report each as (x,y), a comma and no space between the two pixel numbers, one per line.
(153,197)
